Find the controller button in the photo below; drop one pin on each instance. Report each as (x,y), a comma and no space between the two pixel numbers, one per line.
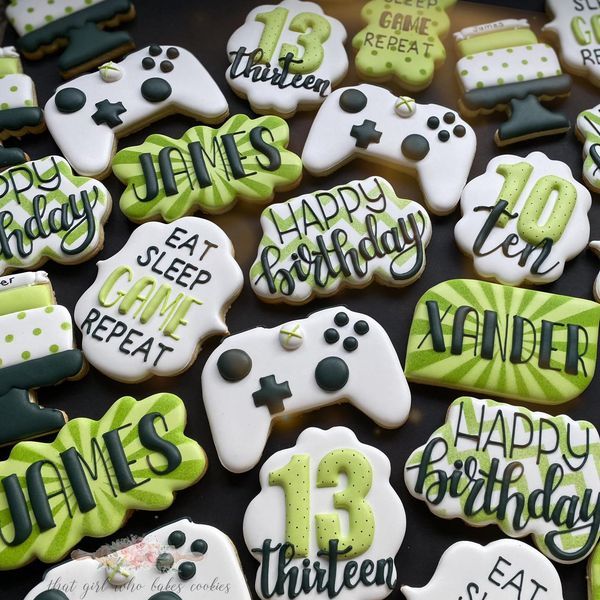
(148,63)
(341,319)
(332,374)
(352,101)
(166,66)
(350,344)
(415,147)
(164,562)
(331,336)
(176,539)
(433,122)
(361,327)
(460,131)
(172,53)
(155,50)
(69,100)
(234,365)
(51,595)
(405,107)
(365,134)
(108,112)
(156,89)
(443,135)
(186,570)
(110,72)
(116,574)
(449,118)
(165,596)
(272,394)
(291,336)
(199,547)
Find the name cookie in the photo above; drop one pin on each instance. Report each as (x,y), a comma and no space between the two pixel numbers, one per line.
(207,169)
(317,244)
(536,223)
(155,301)
(402,41)
(335,355)
(503,67)
(504,341)
(302,546)
(286,57)
(588,132)
(492,463)
(426,140)
(502,570)
(87,115)
(184,560)
(89,479)
(37,349)
(48,212)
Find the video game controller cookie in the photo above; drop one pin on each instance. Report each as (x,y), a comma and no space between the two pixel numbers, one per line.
(574,27)
(588,132)
(93,475)
(182,561)
(334,355)
(327,522)
(523,219)
(155,301)
(286,57)
(37,349)
(495,572)
(86,116)
(170,178)
(427,140)
(48,212)
(403,41)
(319,243)
(530,473)
(48,26)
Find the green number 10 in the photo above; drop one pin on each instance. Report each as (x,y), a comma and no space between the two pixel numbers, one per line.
(294,478)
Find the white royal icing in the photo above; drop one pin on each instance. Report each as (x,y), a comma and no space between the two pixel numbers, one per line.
(588,131)
(23,279)
(484,29)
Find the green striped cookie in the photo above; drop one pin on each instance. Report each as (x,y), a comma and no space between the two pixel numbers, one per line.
(504,341)
(208,169)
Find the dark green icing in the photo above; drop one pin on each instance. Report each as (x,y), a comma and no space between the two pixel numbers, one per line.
(69,100)
(10,157)
(272,394)
(51,595)
(352,101)
(199,547)
(186,570)
(151,440)
(366,134)
(15,119)
(164,562)
(165,596)
(176,539)
(108,112)
(156,89)
(233,365)
(332,374)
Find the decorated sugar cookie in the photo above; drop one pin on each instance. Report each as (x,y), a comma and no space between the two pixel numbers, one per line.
(595,247)
(428,141)
(503,67)
(319,243)
(523,219)
(9,157)
(594,575)
(286,56)
(588,131)
(46,27)
(334,355)
(503,341)
(402,41)
(186,560)
(503,570)
(492,463)
(327,522)
(86,116)
(574,26)
(37,349)
(89,479)
(19,111)
(48,212)
(155,301)
(170,178)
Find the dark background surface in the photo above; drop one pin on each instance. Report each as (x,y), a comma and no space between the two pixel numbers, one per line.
(220,498)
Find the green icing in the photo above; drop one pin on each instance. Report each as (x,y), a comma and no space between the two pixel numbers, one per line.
(505,341)
(25,298)
(207,169)
(496,40)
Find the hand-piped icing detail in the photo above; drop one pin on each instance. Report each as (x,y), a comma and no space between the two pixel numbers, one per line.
(402,41)
(327,522)
(110,72)
(314,245)
(523,219)
(588,131)
(48,212)
(334,355)
(155,301)
(207,169)
(492,463)
(286,57)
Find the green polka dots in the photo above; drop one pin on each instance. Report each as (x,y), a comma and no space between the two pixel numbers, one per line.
(65,326)
(21,316)
(26,355)
(37,331)
(9,338)
(49,310)
(54,348)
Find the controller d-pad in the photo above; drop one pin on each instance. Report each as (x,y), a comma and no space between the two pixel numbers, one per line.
(352,101)
(156,89)
(366,134)
(415,147)
(108,112)
(234,365)
(272,394)
(69,100)
(331,374)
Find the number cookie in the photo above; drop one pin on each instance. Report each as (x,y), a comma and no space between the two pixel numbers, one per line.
(523,219)
(92,476)
(207,169)
(402,40)
(503,341)
(305,548)
(492,463)
(155,301)
(286,57)
(588,132)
